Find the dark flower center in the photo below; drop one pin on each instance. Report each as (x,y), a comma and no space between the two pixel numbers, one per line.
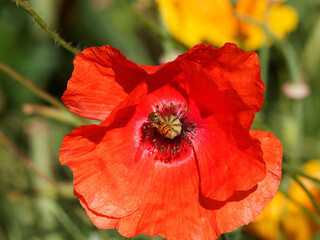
(169,131)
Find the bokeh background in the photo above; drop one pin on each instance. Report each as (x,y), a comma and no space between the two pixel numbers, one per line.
(36,199)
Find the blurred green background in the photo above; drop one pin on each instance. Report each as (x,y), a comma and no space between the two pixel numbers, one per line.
(33,207)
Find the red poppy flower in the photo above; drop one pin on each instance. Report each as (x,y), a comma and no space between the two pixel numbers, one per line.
(174,154)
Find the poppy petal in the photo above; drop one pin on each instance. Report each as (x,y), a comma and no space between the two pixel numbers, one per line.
(102,159)
(239,212)
(100,220)
(101,79)
(206,94)
(175,209)
(150,69)
(230,69)
(171,209)
(105,173)
(173,155)
(229,159)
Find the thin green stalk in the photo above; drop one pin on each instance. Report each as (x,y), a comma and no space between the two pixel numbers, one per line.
(144,20)
(27,83)
(54,113)
(66,222)
(313,200)
(46,27)
(291,59)
(264,51)
(63,189)
(310,214)
(25,161)
(286,48)
(251,20)
(297,109)
(39,154)
(66,115)
(264,57)
(150,25)
(298,172)
(294,71)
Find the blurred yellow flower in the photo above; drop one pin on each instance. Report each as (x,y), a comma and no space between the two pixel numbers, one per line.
(282,217)
(217,21)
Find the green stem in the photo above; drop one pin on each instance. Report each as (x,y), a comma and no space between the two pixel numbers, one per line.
(310,214)
(53,113)
(251,20)
(264,57)
(294,72)
(298,172)
(313,200)
(150,25)
(26,161)
(291,59)
(27,83)
(46,27)
(66,222)
(264,51)
(66,115)
(144,20)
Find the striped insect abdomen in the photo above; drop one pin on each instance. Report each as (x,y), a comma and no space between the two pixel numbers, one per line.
(164,129)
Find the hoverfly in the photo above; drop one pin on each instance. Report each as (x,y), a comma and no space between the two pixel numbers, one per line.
(168,126)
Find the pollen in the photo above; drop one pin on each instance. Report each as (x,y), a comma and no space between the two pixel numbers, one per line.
(169,126)
(169,131)
(174,124)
